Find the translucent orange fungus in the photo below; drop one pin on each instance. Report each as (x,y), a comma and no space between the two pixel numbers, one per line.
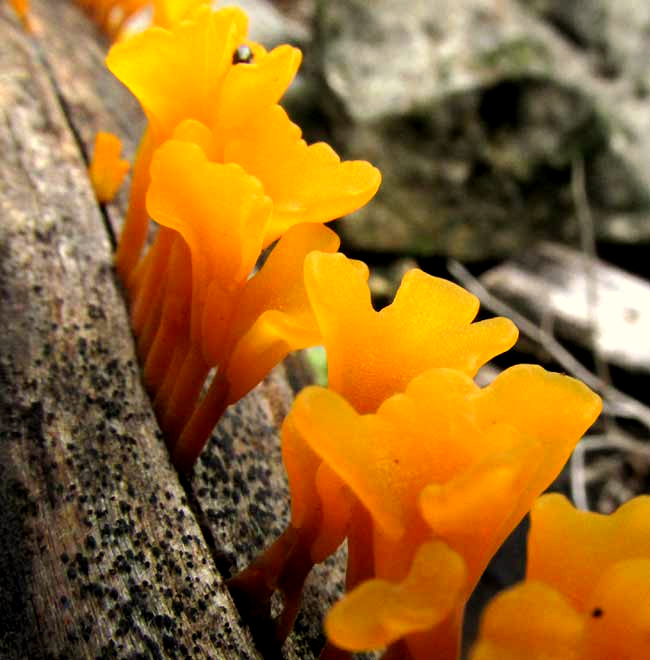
(445,461)
(371,356)
(159,67)
(421,471)
(225,216)
(587,590)
(224,172)
(21,7)
(107,170)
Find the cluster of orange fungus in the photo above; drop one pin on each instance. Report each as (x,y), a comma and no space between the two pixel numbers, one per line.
(226,96)
(372,356)
(445,461)
(224,174)
(587,590)
(107,170)
(404,456)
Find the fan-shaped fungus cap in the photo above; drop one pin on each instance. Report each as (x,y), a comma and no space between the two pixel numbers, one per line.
(308,183)
(107,170)
(587,590)
(372,355)
(445,460)
(159,66)
(423,599)
(568,549)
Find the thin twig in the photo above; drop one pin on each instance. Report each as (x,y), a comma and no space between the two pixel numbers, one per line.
(619,441)
(616,440)
(588,245)
(578,481)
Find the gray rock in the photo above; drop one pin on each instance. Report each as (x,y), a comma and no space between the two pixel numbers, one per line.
(268,26)
(616,33)
(477,110)
(584,22)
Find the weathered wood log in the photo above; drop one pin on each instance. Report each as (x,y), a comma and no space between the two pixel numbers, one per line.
(583,300)
(91,98)
(104,552)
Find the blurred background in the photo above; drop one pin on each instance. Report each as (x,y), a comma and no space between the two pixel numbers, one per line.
(514,141)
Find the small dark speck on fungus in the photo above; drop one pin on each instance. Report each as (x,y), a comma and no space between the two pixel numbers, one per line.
(243,55)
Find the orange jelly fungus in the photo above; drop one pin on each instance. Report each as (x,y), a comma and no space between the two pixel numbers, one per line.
(107,170)
(445,461)
(159,66)
(587,590)
(371,356)
(270,317)
(242,326)
(224,173)
(21,7)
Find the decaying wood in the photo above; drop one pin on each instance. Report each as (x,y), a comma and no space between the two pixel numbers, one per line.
(240,489)
(550,286)
(103,551)
(92,99)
